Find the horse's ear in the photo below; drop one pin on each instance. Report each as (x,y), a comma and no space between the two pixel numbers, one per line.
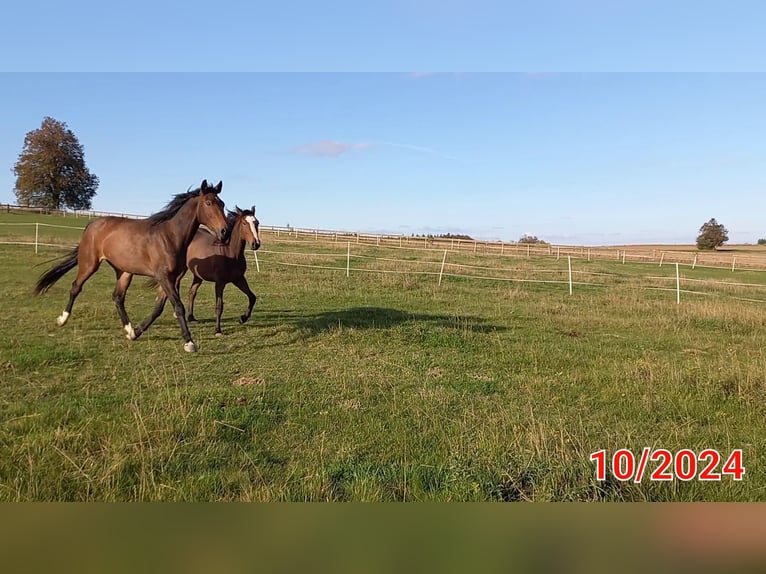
(203,186)
(239,211)
(253,210)
(217,189)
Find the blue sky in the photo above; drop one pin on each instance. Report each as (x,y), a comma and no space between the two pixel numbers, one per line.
(601,122)
(581,158)
(389,35)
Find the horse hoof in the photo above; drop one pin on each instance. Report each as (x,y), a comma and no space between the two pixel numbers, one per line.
(219,334)
(62,319)
(190,347)
(191,319)
(130,333)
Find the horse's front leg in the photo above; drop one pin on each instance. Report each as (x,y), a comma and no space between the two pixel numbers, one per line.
(171,289)
(178,287)
(241,284)
(219,287)
(196,282)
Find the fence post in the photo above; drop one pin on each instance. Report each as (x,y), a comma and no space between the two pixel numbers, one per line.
(558,253)
(694,263)
(528,246)
(257,266)
(678,286)
(662,256)
(623,256)
(441,271)
(733,260)
(588,253)
(348,258)
(569,263)
(37,233)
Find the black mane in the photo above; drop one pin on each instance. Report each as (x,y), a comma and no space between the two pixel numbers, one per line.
(175,204)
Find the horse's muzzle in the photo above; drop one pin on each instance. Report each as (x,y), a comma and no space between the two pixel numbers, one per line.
(255,246)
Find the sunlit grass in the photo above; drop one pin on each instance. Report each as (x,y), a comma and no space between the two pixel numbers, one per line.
(379,386)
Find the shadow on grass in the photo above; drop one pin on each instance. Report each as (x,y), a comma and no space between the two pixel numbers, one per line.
(298,325)
(370,318)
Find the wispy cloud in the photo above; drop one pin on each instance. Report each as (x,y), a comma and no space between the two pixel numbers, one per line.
(420,75)
(417,148)
(330,148)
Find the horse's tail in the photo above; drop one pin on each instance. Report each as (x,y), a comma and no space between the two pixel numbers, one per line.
(53,274)
(151,283)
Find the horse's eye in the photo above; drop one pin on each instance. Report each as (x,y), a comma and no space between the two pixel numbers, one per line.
(208,202)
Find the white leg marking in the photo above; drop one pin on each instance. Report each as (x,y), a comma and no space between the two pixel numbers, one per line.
(62,319)
(190,347)
(131,334)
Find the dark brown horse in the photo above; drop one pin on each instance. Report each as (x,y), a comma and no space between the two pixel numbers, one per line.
(155,247)
(208,260)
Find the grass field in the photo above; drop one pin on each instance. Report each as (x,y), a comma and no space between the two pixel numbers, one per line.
(377,386)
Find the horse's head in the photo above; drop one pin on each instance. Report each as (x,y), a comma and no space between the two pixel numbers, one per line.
(210,210)
(246,218)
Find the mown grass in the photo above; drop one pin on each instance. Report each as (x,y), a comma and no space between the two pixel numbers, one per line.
(376,387)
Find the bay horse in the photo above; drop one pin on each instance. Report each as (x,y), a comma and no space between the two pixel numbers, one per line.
(208,260)
(155,246)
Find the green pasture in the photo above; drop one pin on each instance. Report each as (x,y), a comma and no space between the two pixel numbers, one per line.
(381,386)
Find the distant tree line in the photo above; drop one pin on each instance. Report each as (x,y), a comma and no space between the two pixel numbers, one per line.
(444,236)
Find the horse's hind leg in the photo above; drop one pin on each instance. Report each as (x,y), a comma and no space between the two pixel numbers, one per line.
(196,282)
(123,282)
(241,284)
(159,306)
(86,266)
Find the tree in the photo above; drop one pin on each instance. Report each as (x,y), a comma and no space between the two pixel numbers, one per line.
(712,235)
(531,239)
(51,169)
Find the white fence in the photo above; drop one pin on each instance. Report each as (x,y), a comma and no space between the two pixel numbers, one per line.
(565,275)
(382,254)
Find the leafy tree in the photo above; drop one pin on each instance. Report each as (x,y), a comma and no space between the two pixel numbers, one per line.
(762,241)
(51,170)
(531,239)
(712,235)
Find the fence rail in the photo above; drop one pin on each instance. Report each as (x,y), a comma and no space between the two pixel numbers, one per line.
(660,255)
(454,263)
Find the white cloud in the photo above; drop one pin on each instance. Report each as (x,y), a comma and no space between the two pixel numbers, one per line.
(330,148)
